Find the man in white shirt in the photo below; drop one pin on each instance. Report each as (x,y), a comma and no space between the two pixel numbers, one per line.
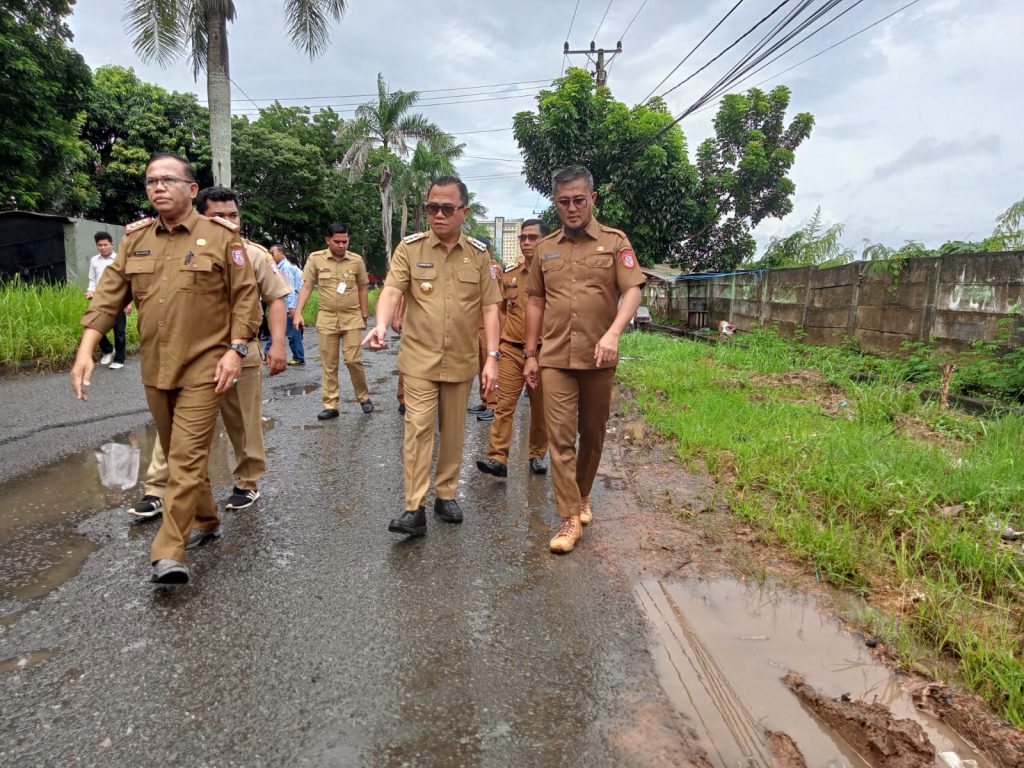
(113,354)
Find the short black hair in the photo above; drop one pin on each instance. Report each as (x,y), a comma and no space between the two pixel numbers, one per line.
(570,174)
(545,230)
(102,236)
(337,228)
(214,194)
(448,181)
(190,172)
(281,248)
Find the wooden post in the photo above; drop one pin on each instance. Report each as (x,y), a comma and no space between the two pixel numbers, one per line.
(947,378)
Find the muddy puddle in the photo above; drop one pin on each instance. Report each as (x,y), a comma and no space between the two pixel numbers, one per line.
(723,649)
(289,390)
(41,510)
(26,660)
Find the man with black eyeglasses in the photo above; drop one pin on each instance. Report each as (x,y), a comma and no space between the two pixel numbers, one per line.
(582,294)
(447,282)
(510,366)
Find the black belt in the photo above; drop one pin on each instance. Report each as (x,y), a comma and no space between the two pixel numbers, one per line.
(514,343)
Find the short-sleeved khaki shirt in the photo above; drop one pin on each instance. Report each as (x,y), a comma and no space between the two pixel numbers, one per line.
(194,290)
(339,307)
(445,293)
(497,269)
(580,281)
(271,284)
(514,290)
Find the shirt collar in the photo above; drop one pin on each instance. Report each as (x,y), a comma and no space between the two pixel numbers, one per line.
(433,241)
(188,224)
(592,230)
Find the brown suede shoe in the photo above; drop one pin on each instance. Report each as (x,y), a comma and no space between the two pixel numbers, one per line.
(586,513)
(567,536)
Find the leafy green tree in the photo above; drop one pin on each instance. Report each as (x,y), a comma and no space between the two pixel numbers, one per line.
(43,92)
(814,243)
(128,120)
(1009,234)
(744,176)
(638,159)
(163,30)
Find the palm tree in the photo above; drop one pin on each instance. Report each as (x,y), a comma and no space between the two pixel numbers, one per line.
(426,165)
(162,30)
(389,126)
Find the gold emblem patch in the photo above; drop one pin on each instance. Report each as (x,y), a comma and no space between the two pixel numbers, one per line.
(427,288)
(201,241)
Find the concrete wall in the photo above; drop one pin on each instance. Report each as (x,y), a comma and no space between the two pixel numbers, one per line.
(952,300)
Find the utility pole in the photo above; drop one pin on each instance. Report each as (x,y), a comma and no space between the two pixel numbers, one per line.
(601,70)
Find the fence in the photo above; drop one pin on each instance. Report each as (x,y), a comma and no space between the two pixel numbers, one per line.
(952,300)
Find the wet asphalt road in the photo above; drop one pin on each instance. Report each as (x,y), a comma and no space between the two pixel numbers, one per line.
(310,635)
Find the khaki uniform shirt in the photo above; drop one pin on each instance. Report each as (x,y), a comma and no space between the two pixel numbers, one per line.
(514,289)
(339,307)
(581,282)
(445,294)
(271,284)
(497,269)
(194,290)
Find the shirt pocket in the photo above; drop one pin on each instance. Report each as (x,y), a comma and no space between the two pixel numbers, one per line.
(511,293)
(469,284)
(199,276)
(552,265)
(419,274)
(140,273)
(600,269)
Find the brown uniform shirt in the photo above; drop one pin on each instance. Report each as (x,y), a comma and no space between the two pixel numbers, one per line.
(445,293)
(581,283)
(497,268)
(194,291)
(271,286)
(514,288)
(339,311)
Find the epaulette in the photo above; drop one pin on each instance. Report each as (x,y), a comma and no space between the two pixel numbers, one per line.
(550,236)
(257,246)
(355,255)
(414,237)
(477,244)
(612,230)
(513,268)
(135,226)
(225,223)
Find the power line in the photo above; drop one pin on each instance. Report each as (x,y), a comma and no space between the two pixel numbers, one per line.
(425,90)
(630,25)
(496,159)
(602,19)
(350,107)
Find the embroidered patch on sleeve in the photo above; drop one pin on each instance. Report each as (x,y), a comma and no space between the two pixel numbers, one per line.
(627,258)
(238,257)
(494,271)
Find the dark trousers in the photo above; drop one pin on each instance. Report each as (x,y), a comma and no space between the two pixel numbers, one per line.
(120,339)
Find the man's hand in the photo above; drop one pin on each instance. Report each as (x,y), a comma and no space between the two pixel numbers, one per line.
(297,322)
(128,308)
(81,374)
(88,295)
(531,372)
(276,361)
(377,338)
(607,349)
(489,375)
(228,368)
(396,325)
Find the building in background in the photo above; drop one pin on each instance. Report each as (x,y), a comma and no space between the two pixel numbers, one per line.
(39,247)
(504,235)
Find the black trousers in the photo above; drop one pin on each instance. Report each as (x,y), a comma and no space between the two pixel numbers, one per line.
(120,339)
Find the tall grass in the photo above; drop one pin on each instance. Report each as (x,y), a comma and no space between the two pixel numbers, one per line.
(312,307)
(39,324)
(859,479)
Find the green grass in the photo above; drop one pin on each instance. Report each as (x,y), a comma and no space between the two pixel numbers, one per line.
(852,476)
(313,305)
(39,325)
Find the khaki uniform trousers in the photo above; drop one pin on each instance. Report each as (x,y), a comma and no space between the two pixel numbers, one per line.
(185,420)
(401,389)
(352,353)
(510,388)
(489,399)
(430,403)
(241,407)
(575,401)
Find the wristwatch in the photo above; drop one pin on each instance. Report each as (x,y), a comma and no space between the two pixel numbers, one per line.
(241,349)
(496,354)
(528,353)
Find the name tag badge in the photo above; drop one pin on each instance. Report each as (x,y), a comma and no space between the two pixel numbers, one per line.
(549,256)
(424,264)
(342,287)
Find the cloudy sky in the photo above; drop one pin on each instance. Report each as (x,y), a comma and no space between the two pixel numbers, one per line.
(917,119)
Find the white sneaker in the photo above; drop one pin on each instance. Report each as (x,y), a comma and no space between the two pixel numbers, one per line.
(115,366)
(107,358)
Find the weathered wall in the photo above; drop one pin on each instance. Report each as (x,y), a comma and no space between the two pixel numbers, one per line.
(952,300)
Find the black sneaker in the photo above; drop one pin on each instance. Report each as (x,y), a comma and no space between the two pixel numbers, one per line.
(327,413)
(296,362)
(147,508)
(198,537)
(367,406)
(167,571)
(538,467)
(241,499)
(486,415)
(478,408)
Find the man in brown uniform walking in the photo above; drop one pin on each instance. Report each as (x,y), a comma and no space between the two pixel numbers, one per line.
(198,308)
(341,275)
(510,366)
(584,291)
(446,279)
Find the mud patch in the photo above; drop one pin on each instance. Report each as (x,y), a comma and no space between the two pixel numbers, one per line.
(26,660)
(289,390)
(968,714)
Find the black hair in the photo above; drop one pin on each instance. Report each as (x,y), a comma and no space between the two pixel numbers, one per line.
(216,195)
(337,228)
(190,172)
(545,230)
(281,248)
(569,174)
(102,236)
(448,181)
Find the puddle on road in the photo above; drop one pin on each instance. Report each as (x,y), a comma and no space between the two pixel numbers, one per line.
(289,390)
(40,510)
(723,648)
(26,660)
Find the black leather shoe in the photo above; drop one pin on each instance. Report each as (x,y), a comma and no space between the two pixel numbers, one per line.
(367,406)
(327,413)
(478,408)
(538,467)
(448,510)
(401,409)
(492,467)
(410,523)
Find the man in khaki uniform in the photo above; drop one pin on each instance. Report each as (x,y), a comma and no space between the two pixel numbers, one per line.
(489,400)
(447,282)
(241,407)
(341,275)
(198,308)
(584,291)
(510,366)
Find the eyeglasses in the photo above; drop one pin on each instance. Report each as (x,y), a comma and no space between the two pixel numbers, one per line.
(530,238)
(166,181)
(447,209)
(574,202)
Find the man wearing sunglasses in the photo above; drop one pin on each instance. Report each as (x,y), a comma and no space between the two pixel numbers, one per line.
(581,297)
(510,366)
(447,282)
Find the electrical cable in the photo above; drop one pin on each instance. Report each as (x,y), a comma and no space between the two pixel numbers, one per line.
(567,34)
(608,8)
(630,25)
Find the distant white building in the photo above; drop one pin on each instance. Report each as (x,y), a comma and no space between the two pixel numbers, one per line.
(504,235)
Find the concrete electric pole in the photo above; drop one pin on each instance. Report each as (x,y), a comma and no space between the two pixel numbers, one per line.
(601,71)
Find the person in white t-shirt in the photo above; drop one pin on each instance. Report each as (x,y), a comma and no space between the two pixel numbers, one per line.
(113,354)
